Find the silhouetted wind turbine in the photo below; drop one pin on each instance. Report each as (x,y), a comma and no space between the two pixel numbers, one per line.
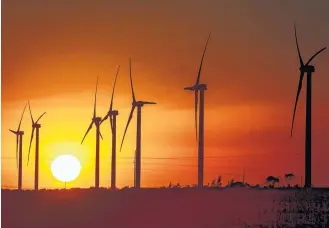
(308,69)
(196,88)
(19,138)
(139,105)
(97,121)
(35,126)
(113,116)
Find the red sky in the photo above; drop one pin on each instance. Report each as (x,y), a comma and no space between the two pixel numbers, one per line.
(52,52)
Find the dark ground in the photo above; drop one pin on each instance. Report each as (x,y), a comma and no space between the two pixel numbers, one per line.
(157,208)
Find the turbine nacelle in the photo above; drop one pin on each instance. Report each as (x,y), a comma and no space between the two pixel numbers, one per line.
(197,87)
(141,103)
(97,120)
(36,125)
(307,68)
(113,113)
(202,87)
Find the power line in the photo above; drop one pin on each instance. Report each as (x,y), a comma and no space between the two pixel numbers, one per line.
(182,158)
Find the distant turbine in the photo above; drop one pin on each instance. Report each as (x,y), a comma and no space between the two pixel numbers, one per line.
(196,88)
(113,114)
(139,105)
(19,138)
(309,69)
(35,126)
(97,121)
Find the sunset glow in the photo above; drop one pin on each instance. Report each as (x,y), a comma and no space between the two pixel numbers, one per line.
(53,52)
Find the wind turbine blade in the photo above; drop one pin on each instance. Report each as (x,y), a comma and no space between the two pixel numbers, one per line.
(105,118)
(19,126)
(189,88)
(100,134)
(31,112)
(13,131)
(95,99)
(115,80)
(129,119)
(196,113)
(315,55)
(131,82)
(28,157)
(41,116)
(90,126)
(204,51)
(300,84)
(300,57)
(148,102)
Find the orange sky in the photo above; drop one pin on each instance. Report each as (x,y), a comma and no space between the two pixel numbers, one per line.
(52,52)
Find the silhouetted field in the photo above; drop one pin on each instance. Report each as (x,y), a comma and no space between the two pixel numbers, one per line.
(157,208)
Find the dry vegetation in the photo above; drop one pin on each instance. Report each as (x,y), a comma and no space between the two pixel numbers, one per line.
(303,208)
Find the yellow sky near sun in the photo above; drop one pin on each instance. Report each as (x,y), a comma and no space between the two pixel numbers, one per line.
(68,117)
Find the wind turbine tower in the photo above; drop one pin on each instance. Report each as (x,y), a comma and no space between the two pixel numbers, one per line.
(308,69)
(113,115)
(139,105)
(197,87)
(19,150)
(35,126)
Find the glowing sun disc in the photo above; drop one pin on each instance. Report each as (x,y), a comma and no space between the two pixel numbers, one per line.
(65,168)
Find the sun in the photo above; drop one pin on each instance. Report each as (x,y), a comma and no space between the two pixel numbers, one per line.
(66,168)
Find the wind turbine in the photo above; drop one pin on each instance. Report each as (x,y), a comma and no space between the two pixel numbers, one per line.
(139,105)
(97,121)
(35,126)
(19,138)
(196,88)
(113,116)
(308,69)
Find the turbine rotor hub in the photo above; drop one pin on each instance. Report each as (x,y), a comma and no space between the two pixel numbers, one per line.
(139,104)
(97,119)
(307,68)
(113,113)
(36,125)
(197,87)
(201,87)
